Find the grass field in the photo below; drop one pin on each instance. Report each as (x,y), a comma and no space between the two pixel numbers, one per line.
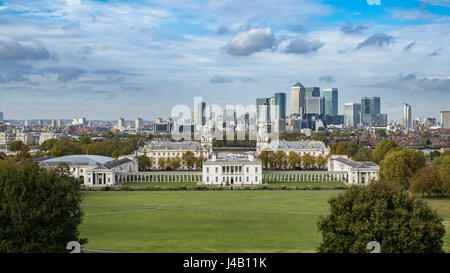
(210,221)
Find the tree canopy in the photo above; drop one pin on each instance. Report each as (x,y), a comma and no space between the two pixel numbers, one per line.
(382,149)
(381,212)
(40,209)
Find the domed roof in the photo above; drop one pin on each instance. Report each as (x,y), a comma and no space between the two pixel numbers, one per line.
(77,159)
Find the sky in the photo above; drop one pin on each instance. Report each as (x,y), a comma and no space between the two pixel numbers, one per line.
(110,59)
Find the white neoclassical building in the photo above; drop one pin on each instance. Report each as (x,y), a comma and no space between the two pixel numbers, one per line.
(167,149)
(233,169)
(93,170)
(359,173)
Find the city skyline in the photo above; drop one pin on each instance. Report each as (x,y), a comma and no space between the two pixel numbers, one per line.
(110,59)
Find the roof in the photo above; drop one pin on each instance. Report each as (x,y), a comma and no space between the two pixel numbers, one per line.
(356,164)
(297,145)
(298,85)
(76,160)
(115,163)
(234,158)
(167,145)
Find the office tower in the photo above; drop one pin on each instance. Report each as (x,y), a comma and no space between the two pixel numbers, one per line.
(352,113)
(1,116)
(331,101)
(26,123)
(280,101)
(445,119)
(314,106)
(59,123)
(121,124)
(312,92)
(53,123)
(138,124)
(370,105)
(79,121)
(261,103)
(297,99)
(39,123)
(407,116)
(199,112)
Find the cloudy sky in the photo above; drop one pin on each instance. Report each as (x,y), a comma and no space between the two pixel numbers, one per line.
(110,59)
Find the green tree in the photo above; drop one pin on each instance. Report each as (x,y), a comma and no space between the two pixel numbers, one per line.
(442,164)
(308,161)
(40,211)
(188,159)
(199,162)
(66,147)
(382,149)
(144,162)
(162,163)
(427,181)
(16,146)
(381,212)
(293,160)
(266,158)
(85,140)
(321,161)
(399,165)
(363,154)
(174,162)
(48,144)
(340,150)
(23,154)
(115,153)
(280,159)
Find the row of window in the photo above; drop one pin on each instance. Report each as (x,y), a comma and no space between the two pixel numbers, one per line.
(231,169)
(237,179)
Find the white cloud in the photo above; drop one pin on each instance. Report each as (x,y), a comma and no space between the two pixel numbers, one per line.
(251,41)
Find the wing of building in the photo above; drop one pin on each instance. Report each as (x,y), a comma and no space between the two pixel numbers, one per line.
(359,173)
(93,170)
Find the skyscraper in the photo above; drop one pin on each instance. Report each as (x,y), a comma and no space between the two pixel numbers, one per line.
(314,106)
(331,101)
(297,99)
(199,113)
(280,101)
(407,116)
(370,105)
(445,119)
(352,113)
(261,103)
(1,116)
(121,124)
(312,92)
(138,124)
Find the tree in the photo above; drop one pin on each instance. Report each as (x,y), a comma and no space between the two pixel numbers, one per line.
(115,153)
(400,164)
(144,162)
(174,162)
(23,154)
(16,146)
(66,147)
(381,212)
(162,163)
(442,164)
(266,158)
(427,181)
(188,159)
(293,160)
(199,162)
(85,140)
(40,209)
(382,149)
(363,154)
(48,144)
(321,161)
(280,159)
(340,150)
(308,161)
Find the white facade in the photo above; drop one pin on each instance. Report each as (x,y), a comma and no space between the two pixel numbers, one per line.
(445,119)
(232,170)
(166,149)
(359,173)
(302,147)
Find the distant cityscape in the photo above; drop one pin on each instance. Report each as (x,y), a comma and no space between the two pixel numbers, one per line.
(312,109)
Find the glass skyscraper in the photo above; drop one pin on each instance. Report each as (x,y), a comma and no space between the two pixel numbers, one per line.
(331,101)
(370,105)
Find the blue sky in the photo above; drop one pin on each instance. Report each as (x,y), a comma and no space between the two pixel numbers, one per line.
(111,59)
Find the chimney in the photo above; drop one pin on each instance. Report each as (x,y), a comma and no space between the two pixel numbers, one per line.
(214,157)
(251,157)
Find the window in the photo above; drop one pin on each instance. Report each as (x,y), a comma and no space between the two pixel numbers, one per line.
(256,179)
(207,179)
(217,169)
(207,170)
(247,178)
(247,169)
(256,169)
(217,179)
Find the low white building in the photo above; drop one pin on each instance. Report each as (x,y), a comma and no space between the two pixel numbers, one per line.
(231,170)
(302,147)
(359,173)
(93,170)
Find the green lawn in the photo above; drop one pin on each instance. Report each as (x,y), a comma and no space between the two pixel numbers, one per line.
(209,221)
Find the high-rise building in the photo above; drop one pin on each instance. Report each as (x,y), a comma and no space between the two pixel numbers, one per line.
(261,103)
(53,123)
(297,99)
(121,124)
(331,101)
(352,114)
(26,123)
(138,124)
(59,123)
(1,116)
(445,119)
(312,92)
(370,105)
(314,106)
(407,116)
(199,113)
(280,101)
